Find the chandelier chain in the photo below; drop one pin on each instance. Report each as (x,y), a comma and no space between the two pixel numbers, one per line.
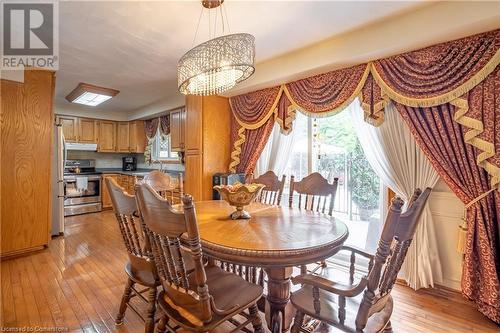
(197,26)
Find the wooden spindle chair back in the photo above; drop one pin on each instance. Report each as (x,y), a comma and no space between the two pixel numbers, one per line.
(165,226)
(273,192)
(394,242)
(130,224)
(314,193)
(161,183)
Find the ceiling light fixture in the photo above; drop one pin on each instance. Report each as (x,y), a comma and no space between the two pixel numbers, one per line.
(221,62)
(88,94)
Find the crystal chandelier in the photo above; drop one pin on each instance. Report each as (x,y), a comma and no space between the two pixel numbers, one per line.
(218,64)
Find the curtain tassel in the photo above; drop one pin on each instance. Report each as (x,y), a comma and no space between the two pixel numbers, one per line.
(462,229)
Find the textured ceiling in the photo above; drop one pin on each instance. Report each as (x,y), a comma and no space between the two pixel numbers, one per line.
(134,46)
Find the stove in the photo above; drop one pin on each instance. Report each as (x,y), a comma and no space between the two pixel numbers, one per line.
(82,187)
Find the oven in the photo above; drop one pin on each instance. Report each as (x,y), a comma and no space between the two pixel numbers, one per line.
(80,201)
(82,188)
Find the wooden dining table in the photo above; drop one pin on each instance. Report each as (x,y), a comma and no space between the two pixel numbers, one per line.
(274,238)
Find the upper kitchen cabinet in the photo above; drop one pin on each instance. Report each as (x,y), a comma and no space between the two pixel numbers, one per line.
(123,137)
(137,136)
(194,124)
(87,130)
(76,129)
(177,120)
(70,127)
(107,136)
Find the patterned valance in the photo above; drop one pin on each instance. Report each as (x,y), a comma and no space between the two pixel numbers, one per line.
(151,127)
(165,125)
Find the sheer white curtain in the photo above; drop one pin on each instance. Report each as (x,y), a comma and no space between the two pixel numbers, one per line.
(276,153)
(394,155)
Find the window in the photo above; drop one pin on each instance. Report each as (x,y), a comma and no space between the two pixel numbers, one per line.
(331,147)
(161,149)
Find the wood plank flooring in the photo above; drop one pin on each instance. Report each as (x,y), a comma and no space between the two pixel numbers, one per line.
(76,285)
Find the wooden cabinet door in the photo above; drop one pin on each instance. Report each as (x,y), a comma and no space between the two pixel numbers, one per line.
(87,130)
(123,137)
(70,127)
(193,181)
(193,126)
(106,199)
(137,136)
(176,130)
(107,136)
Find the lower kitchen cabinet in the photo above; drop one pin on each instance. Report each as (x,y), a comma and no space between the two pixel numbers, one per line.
(106,199)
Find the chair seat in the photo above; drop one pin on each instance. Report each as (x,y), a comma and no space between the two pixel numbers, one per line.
(229,291)
(144,277)
(329,311)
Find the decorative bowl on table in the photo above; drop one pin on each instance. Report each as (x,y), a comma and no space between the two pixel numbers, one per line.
(239,195)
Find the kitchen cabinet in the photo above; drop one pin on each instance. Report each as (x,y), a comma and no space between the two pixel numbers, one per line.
(107,136)
(106,199)
(111,136)
(177,130)
(123,137)
(87,130)
(207,147)
(137,139)
(70,127)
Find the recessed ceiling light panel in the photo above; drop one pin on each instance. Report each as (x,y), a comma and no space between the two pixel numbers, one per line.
(90,95)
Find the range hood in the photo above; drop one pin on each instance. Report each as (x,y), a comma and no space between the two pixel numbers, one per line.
(81,146)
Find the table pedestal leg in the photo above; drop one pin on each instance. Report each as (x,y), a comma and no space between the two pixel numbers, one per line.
(279,310)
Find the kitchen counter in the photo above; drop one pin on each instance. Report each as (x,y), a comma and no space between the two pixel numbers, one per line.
(139,172)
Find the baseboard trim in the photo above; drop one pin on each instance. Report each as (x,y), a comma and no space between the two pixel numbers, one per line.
(23,252)
(402,282)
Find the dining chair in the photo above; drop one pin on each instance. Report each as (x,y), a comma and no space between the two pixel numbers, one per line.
(273,192)
(140,269)
(161,183)
(205,298)
(313,193)
(365,305)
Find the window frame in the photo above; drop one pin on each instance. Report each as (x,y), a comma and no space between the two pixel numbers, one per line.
(155,149)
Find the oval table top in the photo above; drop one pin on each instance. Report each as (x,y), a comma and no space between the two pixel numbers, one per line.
(273,236)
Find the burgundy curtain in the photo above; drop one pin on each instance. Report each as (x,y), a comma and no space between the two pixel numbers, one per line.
(151,127)
(165,124)
(442,140)
(251,126)
(255,141)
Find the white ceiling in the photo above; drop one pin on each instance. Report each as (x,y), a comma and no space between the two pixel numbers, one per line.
(134,46)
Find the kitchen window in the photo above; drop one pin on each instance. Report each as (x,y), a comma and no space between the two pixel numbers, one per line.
(161,149)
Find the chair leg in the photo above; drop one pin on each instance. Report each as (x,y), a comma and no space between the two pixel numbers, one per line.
(303,269)
(127,293)
(297,322)
(162,324)
(388,327)
(150,312)
(256,321)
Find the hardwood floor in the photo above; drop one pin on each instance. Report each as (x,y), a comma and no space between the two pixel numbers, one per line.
(76,285)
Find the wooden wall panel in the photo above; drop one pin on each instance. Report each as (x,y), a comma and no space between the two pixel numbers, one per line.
(193,176)
(27,139)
